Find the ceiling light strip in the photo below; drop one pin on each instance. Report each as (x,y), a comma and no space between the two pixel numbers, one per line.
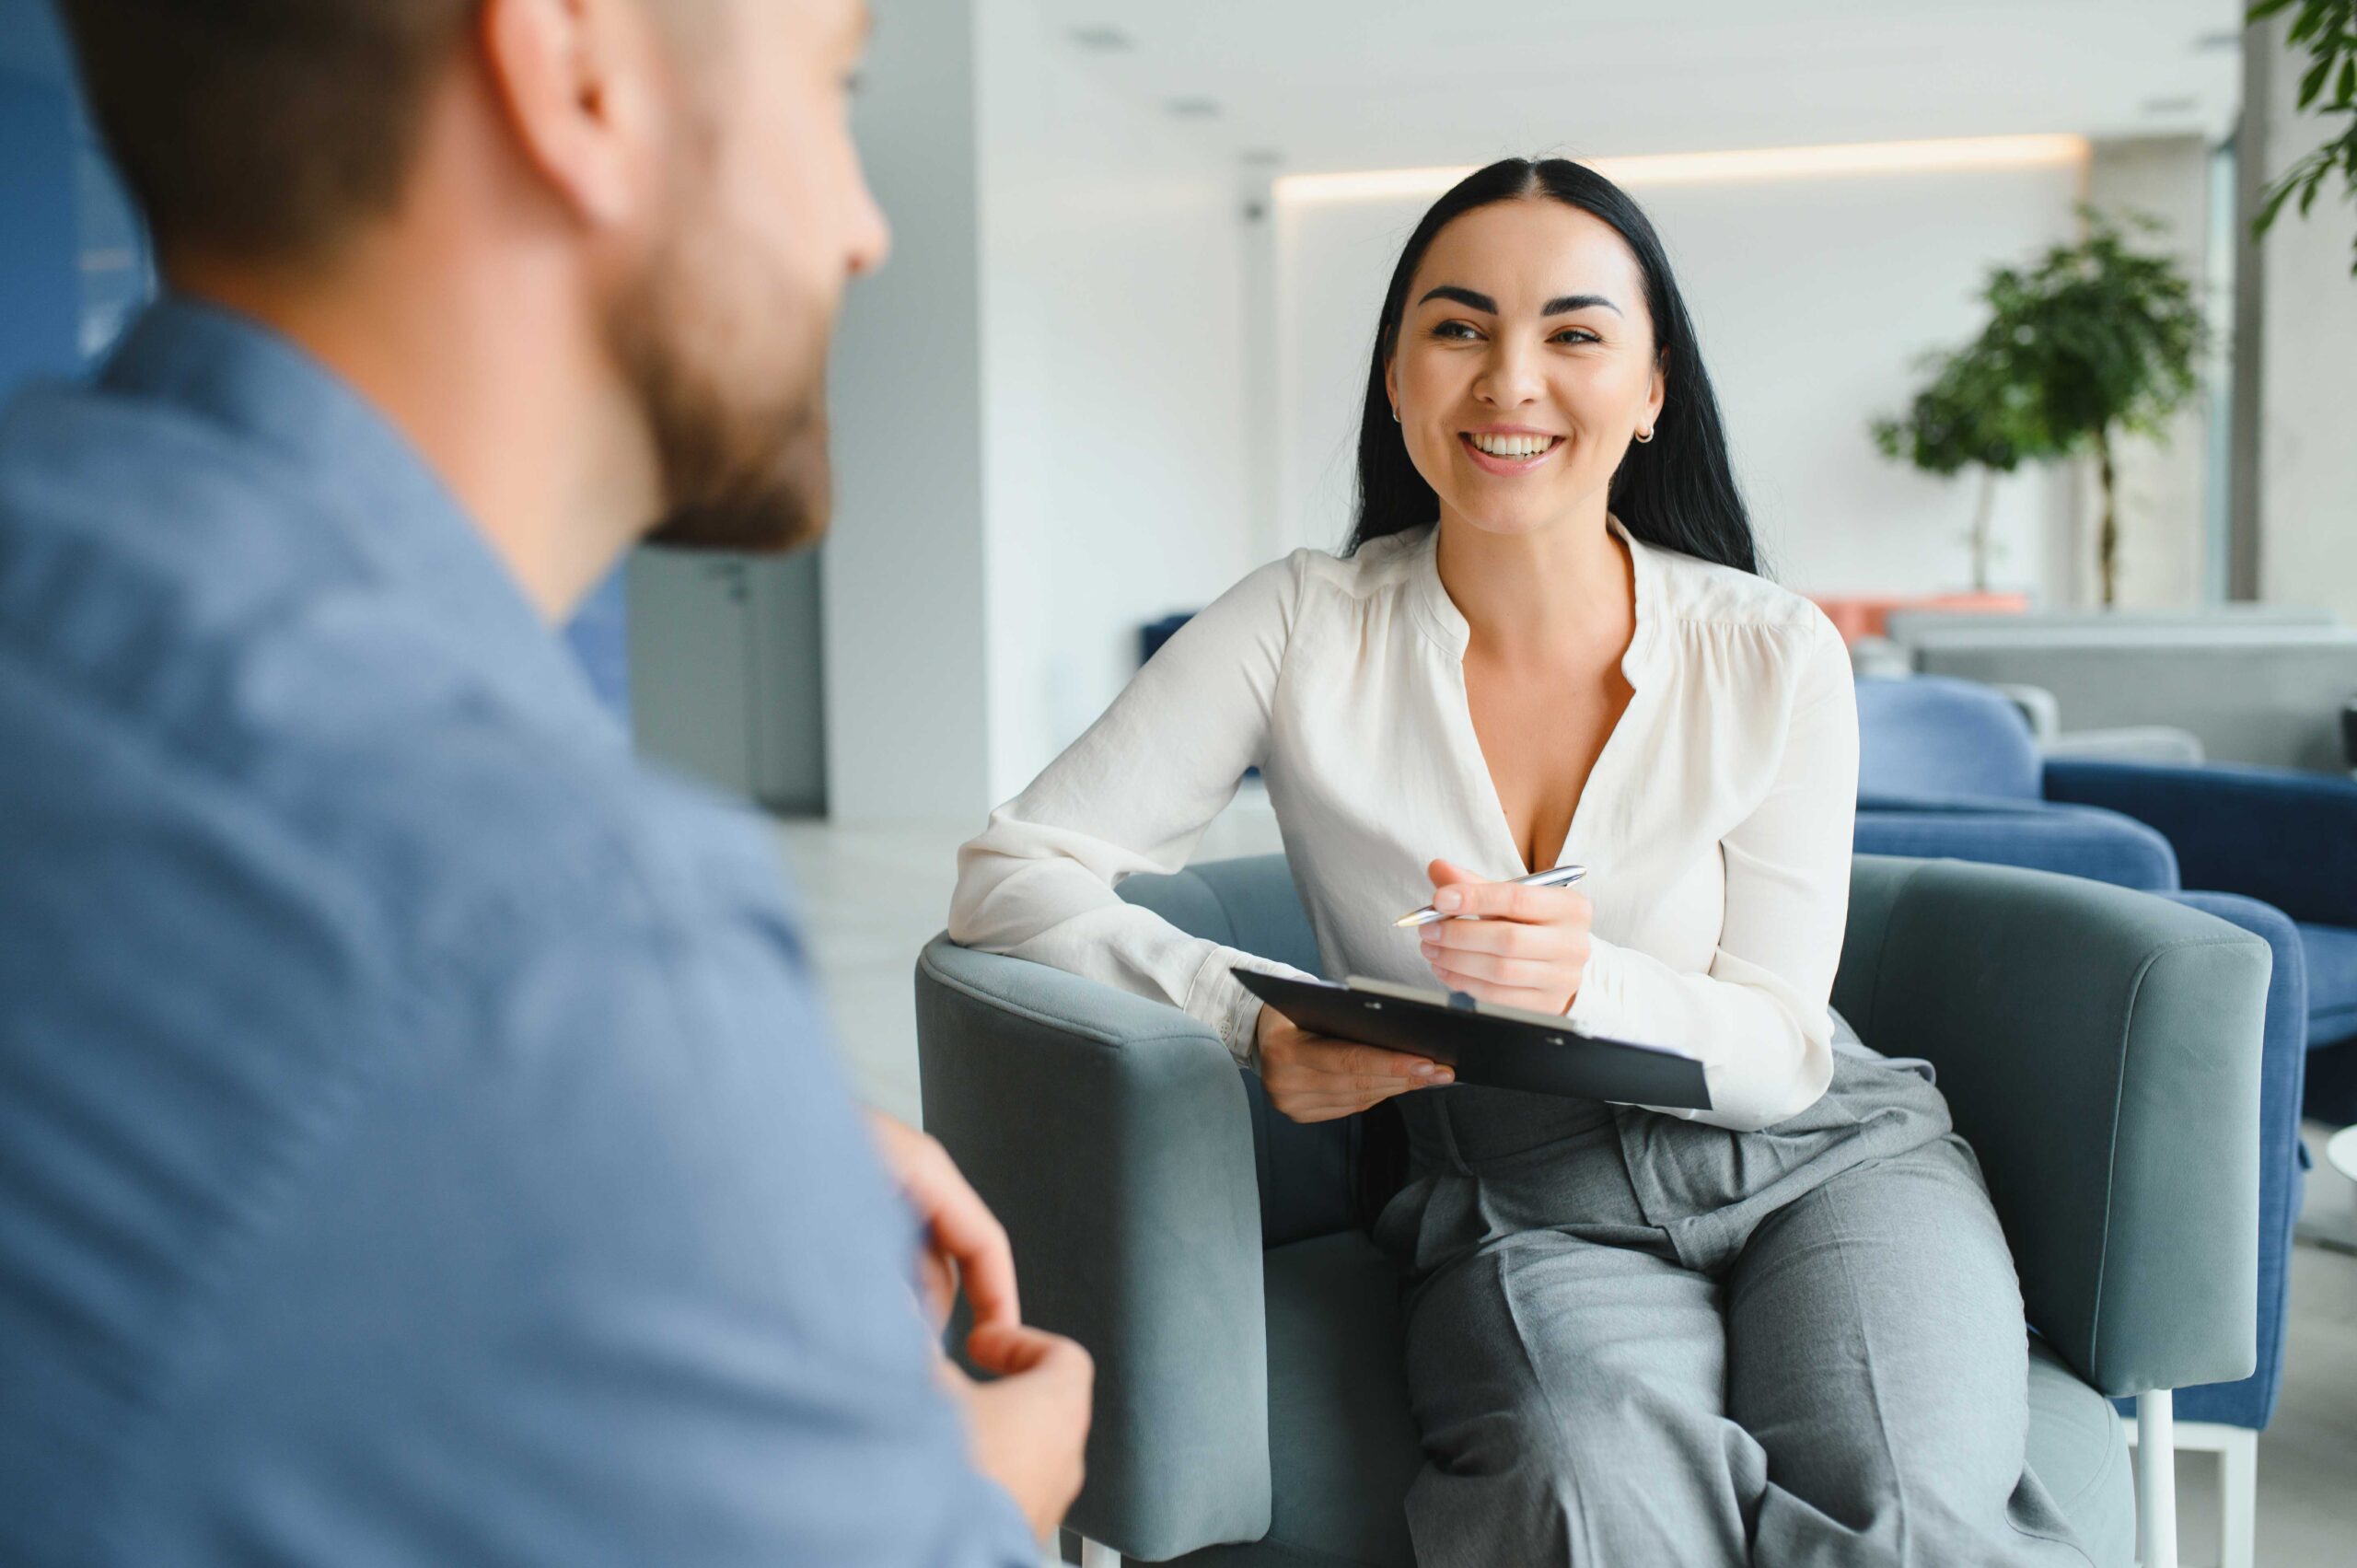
(1952,153)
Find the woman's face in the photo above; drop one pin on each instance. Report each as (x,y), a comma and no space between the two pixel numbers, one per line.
(1524,364)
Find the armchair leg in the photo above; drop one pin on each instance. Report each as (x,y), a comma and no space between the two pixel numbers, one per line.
(2237,1451)
(2156,1479)
(1096,1554)
(2238,1466)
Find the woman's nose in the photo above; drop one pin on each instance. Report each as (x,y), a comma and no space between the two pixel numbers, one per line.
(1508,380)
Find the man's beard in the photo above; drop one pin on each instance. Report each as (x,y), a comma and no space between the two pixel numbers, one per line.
(742,469)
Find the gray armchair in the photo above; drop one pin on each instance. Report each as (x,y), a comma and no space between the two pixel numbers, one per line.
(2100,1050)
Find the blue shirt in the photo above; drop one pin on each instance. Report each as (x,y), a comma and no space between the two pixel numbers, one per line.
(419,1143)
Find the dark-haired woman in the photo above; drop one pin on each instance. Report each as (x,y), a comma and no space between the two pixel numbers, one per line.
(1787,1331)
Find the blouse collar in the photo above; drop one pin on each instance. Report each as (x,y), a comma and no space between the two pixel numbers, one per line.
(1446,623)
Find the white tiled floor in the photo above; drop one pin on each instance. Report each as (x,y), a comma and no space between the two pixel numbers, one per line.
(873,897)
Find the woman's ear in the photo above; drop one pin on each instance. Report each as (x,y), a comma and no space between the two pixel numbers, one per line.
(1391,383)
(1660,392)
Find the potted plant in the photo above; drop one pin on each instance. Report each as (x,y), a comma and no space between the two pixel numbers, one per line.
(2096,342)
(1967,415)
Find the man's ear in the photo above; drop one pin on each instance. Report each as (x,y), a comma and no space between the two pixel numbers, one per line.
(579,82)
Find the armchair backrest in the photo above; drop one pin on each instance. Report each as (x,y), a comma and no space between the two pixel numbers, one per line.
(1929,735)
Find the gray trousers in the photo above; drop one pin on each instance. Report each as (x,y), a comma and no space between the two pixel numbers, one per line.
(1636,1340)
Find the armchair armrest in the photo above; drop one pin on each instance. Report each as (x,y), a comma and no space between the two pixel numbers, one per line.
(2284,1061)
(2100,1050)
(2284,838)
(2071,840)
(1111,1135)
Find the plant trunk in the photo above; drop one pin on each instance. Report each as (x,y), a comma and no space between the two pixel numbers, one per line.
(2108,541)
(1981,530)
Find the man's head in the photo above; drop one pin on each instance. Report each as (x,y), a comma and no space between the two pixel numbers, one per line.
(692,157)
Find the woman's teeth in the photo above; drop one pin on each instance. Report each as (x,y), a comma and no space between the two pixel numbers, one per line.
(1512,445)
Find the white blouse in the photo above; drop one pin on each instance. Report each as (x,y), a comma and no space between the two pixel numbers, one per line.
(1715,825)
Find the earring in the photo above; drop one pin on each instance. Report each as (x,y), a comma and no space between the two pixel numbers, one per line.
(1643,436)
(1395,413)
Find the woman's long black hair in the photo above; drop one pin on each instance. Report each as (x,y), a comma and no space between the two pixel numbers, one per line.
(1678,491)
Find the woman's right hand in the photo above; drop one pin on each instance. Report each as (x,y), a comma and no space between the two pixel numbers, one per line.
(1313,1077)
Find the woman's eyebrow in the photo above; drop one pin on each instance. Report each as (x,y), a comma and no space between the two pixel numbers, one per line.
(1482,302)
(1465,296)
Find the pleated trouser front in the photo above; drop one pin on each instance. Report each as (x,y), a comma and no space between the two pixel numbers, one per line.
(1633,1340)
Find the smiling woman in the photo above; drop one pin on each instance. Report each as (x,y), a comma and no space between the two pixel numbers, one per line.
(1617,346)
(1785,1329)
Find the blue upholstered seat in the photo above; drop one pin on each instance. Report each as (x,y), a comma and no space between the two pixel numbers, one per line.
(2331,953)
(1949,768)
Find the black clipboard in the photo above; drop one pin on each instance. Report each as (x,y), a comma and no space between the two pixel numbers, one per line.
(1502,1047)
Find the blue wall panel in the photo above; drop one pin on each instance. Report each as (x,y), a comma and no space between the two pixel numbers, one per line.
(40,282)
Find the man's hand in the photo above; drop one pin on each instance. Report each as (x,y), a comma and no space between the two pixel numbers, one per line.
(963,1238)
(1528,949)
(1313,1077)
(1030,1425)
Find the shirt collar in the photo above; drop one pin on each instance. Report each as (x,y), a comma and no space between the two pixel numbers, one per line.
(1447,624)
(370,485)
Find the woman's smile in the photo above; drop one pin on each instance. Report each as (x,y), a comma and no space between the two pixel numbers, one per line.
(1508,451)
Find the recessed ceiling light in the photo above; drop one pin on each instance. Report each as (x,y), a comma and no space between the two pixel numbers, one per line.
(1698,169)
(1194,107)
(1102,40)
(2175,103)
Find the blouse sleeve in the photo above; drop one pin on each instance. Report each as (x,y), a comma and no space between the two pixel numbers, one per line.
(1134,793)
(1757,1018)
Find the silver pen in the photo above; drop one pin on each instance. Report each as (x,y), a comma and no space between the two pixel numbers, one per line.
(1554,876)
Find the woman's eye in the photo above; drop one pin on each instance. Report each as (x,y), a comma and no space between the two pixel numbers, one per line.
(1456,331)
(1576,335)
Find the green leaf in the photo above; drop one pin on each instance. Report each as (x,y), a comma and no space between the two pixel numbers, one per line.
(2277,194)
(2262,9)
(2313,82)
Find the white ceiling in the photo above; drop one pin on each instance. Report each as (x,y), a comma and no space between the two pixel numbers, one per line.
(1377,84)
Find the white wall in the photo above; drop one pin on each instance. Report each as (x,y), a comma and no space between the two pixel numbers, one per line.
(1113,375)
(2308,397)
(2166,548)
(1812,296)
(901,573)
(1039,439)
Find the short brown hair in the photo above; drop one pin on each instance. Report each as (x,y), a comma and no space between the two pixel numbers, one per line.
(262,127)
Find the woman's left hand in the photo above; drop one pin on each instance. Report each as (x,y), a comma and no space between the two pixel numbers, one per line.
(1529,948)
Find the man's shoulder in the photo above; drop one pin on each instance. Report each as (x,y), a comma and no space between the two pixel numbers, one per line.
(165,614)
(143,490)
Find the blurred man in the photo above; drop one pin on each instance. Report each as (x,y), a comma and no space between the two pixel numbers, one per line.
(418,1140)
